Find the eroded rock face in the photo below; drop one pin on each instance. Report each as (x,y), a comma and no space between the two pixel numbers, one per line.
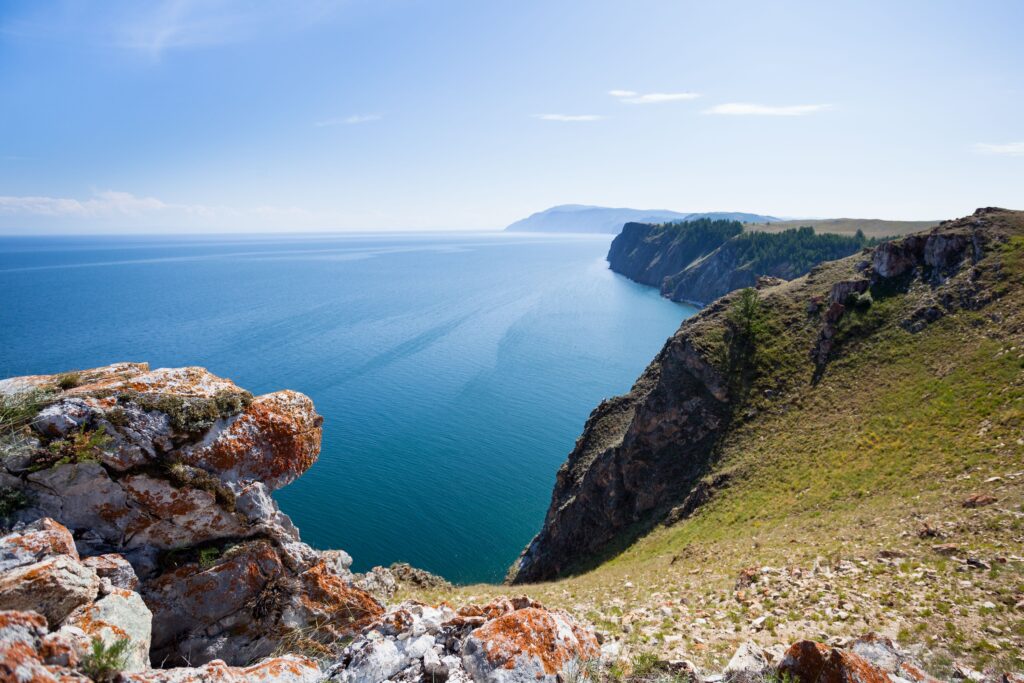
(162,479)
(637,454)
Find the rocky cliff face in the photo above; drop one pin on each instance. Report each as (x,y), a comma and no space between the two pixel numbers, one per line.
(135,513)
(650,254)
(648,456)
(698,263)
(169,472)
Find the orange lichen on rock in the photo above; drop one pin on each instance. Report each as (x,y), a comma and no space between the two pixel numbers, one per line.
(42,538)
(810,662)
(549,638)
(274,440)
(329,597)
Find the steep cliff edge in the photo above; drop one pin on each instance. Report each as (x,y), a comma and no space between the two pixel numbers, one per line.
(699,416)
(701,260)
(139,543)
(169,473)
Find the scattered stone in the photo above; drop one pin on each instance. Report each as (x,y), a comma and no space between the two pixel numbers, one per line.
(748,664)
(977,500)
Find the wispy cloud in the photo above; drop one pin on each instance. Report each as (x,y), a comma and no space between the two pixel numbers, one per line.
(101,204)
(152,28)
(111,204)
(633,97)
(568,117)
(1007,149)
(349,120)
(747,109)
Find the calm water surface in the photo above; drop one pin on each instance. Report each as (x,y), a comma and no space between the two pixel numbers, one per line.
(454,371)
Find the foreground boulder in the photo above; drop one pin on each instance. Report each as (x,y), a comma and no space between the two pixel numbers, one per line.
(809,662)
(530,644)
(159,481)
(504,641)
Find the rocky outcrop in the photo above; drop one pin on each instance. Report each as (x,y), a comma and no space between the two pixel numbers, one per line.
(506,641)
(649,455)
(162,479)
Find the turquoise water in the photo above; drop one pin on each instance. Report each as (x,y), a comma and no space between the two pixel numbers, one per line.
(454,371)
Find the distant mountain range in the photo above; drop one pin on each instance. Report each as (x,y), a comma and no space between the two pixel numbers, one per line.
(600,219)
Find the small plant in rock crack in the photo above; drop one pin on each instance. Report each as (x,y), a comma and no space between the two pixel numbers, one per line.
(104,662)
(69,380)
(579,670)
(18,410)
(11,500)
(81,446)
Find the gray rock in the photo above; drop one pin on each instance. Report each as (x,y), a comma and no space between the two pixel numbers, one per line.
(53,587)
(120,615)
(115,569)
(748,664)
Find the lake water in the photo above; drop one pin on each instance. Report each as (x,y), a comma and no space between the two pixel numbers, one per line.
(454,371)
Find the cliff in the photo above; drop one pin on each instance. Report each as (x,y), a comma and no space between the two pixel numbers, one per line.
(703,413)
(701,260)
(142,545)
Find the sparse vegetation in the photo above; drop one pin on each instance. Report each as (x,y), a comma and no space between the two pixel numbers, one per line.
(103,662)
(877,455)
(192,414)
(11,500)
(69,380)
(18,410)
(81,446)
(182,475)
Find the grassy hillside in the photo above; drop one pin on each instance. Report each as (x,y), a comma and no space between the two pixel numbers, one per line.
(871,227)
(884,492)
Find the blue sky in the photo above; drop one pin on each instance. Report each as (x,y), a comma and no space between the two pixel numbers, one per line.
(387,114)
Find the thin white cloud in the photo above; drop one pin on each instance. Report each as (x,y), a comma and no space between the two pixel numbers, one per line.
(349,120)
(1008,149)
(747,109)
(102,204)
(152,28)
(111,204)
(568,117)
(633,97)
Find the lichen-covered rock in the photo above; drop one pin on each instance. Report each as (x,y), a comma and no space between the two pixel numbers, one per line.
(52,587)
(810,662)
(121,615)
(384,582)
(163,479)
(748,664)
(24,654)
(177,517)
(513,639)
(286,669)
(526,645)
(878,650)
(275,440)
(113,568)
(34,542)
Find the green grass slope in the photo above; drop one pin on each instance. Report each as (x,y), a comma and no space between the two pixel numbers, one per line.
(882,490)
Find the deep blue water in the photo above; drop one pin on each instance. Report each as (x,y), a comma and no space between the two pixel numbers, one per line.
(454,371)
